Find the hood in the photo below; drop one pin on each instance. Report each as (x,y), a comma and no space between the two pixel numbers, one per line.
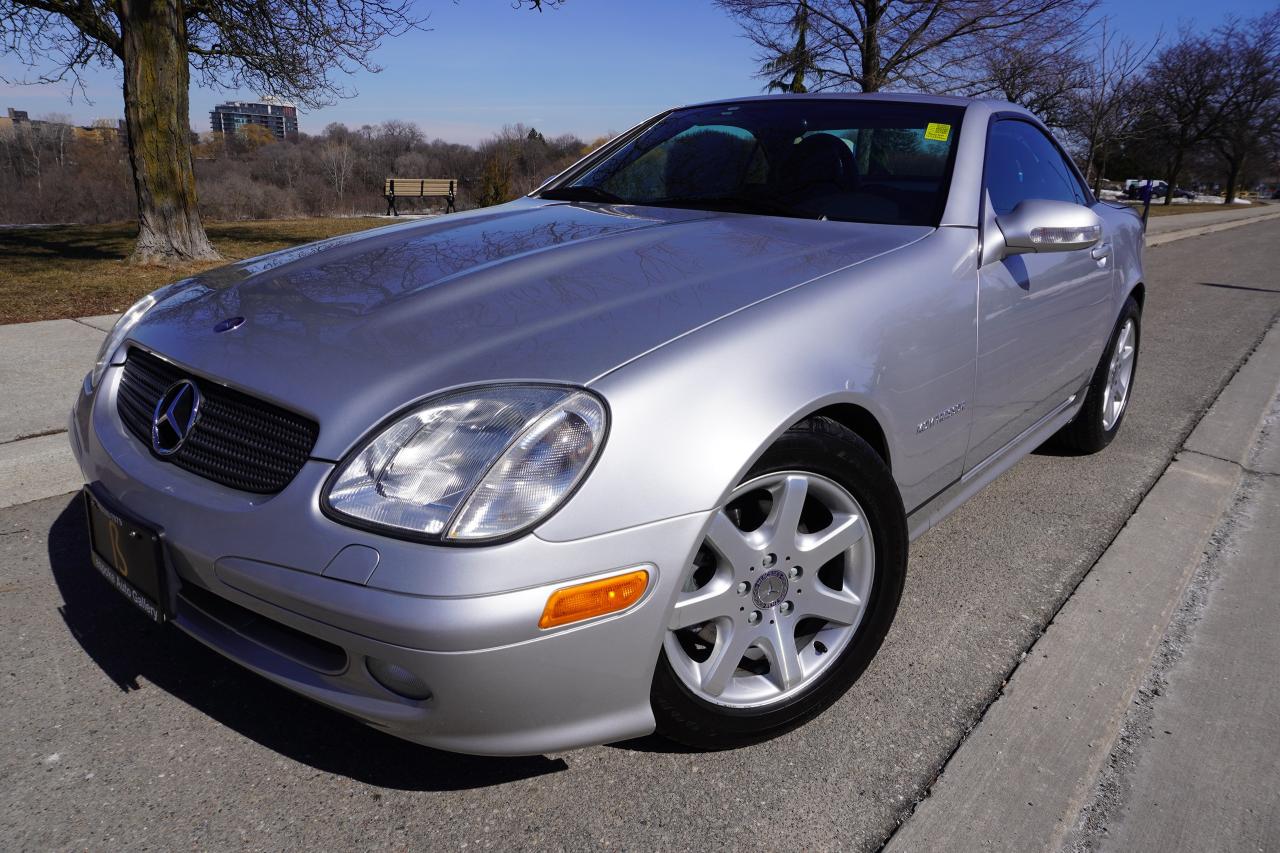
(350,330)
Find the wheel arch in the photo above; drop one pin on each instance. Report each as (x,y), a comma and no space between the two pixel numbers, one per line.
(860,421)
(1139,294)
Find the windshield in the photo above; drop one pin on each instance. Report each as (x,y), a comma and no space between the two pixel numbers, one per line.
(854,161)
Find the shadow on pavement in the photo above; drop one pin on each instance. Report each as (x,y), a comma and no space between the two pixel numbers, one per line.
(127,647)
(1055,447)
(656,743)
(1238,287)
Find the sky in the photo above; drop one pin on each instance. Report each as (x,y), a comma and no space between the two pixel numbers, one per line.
(589,67)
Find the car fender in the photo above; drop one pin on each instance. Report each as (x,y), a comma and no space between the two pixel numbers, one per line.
(1124,229)
(894,336)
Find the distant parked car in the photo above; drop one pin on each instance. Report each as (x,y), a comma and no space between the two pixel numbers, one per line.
(642,450)
(1179,192)
(1134,187)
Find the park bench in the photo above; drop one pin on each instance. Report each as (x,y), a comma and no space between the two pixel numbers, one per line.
(445,188)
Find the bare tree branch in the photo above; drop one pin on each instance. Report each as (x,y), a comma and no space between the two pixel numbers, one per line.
(1104,110)
(930,45)
(1248,126)
(1183,89)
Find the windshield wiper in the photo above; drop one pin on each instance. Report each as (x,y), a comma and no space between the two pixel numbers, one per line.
(731,204)
(580,194)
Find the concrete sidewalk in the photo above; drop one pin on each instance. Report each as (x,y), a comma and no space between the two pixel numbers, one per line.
(1070,755)
(42,366)
(1198,759)
(1167,229)
(1229,213)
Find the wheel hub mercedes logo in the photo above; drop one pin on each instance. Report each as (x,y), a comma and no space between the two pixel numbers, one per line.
(771,587)
(175,416)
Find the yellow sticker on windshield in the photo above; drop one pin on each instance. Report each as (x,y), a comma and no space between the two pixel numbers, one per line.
(937,132)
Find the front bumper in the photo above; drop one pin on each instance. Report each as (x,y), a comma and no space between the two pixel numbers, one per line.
(257,578)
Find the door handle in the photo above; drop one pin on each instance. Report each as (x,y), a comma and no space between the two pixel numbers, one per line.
(1101,252)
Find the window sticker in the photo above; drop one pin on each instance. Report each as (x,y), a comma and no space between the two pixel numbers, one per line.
(937,132)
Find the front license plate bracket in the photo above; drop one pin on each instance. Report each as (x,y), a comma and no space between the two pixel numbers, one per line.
(128,554)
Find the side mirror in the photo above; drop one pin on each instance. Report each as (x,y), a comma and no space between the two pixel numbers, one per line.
(1041,225)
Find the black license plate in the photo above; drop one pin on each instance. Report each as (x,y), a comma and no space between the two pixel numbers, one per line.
(127,554)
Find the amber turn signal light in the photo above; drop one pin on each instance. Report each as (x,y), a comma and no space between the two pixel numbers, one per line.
(596,598)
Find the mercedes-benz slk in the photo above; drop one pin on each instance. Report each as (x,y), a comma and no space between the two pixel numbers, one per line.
(643,450)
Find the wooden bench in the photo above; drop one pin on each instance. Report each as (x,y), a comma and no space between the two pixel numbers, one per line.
(445,188)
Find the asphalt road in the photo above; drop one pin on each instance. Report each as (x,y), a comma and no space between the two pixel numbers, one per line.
(116,734)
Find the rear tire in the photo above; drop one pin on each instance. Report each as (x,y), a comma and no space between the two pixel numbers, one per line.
(814,544)
(1107,400)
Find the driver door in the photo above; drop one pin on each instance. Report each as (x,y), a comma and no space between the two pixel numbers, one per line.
(1041,317)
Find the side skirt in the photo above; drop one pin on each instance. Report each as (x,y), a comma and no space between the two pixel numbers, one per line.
(924,517)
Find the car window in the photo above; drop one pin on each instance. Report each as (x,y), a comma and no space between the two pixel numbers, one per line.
(1022,163)
(712,159)
(856,161)
(886,152)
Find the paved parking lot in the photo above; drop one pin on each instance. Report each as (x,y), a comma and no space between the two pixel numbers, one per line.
(116,733)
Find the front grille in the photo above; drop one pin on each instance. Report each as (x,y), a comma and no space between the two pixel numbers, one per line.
(238,441)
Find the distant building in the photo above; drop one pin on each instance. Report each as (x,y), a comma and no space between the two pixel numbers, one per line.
(102,130)
(13,119)
(276,116)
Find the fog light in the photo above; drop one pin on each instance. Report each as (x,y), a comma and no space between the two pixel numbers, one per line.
(596,598)
(397,679)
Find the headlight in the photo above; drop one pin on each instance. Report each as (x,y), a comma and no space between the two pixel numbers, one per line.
(125,325)
(118,333)
(473,465)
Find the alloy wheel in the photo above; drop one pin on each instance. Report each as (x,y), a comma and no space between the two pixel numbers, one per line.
(775,593)
(1119,377)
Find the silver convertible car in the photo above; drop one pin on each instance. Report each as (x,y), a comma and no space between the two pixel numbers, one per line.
(642,451)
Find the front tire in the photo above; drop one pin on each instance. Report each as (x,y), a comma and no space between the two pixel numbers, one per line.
(790,595)
(1110,390)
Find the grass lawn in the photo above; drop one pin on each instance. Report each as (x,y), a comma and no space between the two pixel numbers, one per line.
(80,270)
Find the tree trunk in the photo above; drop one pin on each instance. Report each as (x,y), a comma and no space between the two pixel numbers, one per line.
(1233,179)
(1171,178)
(872,70)
(797,85)
(1088,162)
(156,82)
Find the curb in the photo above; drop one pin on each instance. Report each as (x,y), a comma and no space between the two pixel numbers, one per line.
(1153,240)
(37,468)
(1020,778)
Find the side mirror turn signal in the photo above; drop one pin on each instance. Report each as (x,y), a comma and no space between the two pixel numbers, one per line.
(1042,225)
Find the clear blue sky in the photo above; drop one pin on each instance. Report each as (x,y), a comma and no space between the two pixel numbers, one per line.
(589,67)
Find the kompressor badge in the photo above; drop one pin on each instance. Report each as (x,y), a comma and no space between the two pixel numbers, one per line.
(948,412)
